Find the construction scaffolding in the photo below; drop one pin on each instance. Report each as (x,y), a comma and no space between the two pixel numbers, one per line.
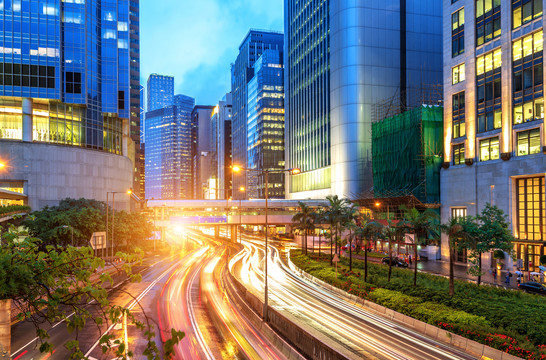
(407,153)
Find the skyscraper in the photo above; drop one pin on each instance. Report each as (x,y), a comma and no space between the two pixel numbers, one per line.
(65,79)
(184,107)
(265,125)
(160,91)
(202,153)
(221,147)
(242,71)
(134,97)
(378,50)
(494,119)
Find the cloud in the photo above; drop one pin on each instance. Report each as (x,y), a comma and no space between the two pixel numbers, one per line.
(196,41)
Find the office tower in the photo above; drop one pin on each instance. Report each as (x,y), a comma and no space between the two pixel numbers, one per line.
(142,113)
(201,153)
(341,59)
(242,71)
(142,146)
(168,150)
(265,126)
(184,107)
(221,147)
(134,96)
(494,119)
(65,80)
(160,91)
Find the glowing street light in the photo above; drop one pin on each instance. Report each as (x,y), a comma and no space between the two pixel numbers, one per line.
(292,171)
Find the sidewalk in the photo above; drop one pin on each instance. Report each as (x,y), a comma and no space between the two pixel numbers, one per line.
(441,268)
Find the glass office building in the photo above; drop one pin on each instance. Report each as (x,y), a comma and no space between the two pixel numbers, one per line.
(341,59)
(134,96)
(184,106)
(265,125)
(242,71)
(51,88)
(160,91)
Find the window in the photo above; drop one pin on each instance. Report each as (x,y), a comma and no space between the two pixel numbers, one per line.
(524,11)
(527,64)
(530,208)
(121,100)
(73,82)
(458,154)
(457,32)
(490,121)
(528,142)
(488,26)
(458,115)
(489,149)
(27,75)
(457,213)
(458,73)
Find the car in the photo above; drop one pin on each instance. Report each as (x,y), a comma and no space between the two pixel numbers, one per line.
(396,261)
(533,287)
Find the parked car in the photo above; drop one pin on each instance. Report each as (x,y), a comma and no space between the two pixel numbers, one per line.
(533,287)
(396,261)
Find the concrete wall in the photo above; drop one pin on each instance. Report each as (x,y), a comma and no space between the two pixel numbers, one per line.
(56,172)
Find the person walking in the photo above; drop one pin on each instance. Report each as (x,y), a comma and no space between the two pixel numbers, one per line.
(508,275)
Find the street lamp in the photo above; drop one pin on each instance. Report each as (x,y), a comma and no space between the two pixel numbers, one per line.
(293,171)
(128,192)
(71,228)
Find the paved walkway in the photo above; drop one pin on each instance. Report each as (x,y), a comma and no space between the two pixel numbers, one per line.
(460,271)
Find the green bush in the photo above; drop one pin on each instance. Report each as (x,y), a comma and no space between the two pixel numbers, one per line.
(14,208)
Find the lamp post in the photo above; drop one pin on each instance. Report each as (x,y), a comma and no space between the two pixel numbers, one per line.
(128,192)
(293,171)
(241,189)
(72,230)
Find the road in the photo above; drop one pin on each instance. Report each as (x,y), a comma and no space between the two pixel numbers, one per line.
(360,333)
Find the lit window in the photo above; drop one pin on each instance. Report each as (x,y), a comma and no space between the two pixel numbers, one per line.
(458,73)
(489,149)
(457,213)
(458,115)
(458,154)
(528,142)
(457,32)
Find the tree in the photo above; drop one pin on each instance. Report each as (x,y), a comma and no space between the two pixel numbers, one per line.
(391,232)
(304,221)
(349,216)
(419,223)
(50,283)
(335,211)
(367,229)
(488,231)
(456,234)
(320,218)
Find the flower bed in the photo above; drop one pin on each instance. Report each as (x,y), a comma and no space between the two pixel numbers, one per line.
(507,320)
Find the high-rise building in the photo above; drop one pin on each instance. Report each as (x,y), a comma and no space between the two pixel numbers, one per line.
(160,91)
(242,71)
(168,150)
(142,146)
(134,97)
(494,118)
(341,58)
(221,147)
(184,107)
(65,80)
(265,126)
(202,153)
(142,113)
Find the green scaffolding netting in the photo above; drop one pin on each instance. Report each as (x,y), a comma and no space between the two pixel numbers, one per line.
(407,152)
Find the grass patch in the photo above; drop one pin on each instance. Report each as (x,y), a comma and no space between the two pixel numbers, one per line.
(511,321)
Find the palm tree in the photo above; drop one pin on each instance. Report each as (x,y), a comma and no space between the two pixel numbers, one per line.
(349,217)
(304,221)
(455,231)
(320,218)
(391,232)
(336,211)
(419,223)
(367,229)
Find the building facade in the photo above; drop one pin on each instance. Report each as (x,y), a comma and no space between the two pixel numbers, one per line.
(221,146)
(184,107)
(160,91)
(202,153)
(494,118)
(341,59)
(265,126)
(55,90)
(134,95)
(242,71)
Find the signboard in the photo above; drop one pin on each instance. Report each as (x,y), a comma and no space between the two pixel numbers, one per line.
(335,259)
(98,240)
(410,239)
(156,235)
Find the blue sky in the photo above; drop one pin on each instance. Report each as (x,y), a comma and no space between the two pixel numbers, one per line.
(197,40)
